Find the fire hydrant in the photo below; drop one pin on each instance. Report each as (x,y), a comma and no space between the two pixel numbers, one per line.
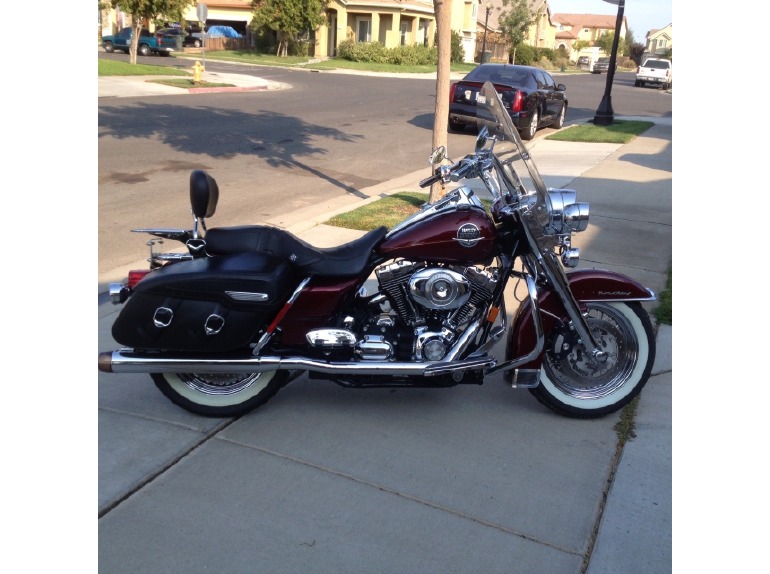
(197,71)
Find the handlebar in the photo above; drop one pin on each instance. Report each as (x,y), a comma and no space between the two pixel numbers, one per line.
(464,168)
(428,181)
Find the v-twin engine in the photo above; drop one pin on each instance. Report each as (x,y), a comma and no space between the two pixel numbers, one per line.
(422,310)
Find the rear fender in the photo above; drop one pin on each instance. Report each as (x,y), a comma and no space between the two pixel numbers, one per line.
(586,285)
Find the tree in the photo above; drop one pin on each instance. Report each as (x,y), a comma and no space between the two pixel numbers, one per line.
(288,18)
(635,52)
(578,45)
(149,10)
(605,43)
(629,37)
(443,11)
(515,23)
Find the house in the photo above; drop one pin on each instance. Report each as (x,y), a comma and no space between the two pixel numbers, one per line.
(658,42)
(542,33)
(588,27)
(390,22)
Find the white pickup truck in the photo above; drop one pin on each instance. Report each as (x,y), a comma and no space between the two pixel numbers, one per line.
(654,71)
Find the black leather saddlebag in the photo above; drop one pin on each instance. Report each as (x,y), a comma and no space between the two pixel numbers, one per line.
(210,304)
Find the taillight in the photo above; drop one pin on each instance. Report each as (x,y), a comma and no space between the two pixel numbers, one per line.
(136,275)
(517,101)
(668,72)
(638,69)
(452,90)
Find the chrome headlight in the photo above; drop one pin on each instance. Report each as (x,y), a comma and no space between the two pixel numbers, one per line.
(565,214)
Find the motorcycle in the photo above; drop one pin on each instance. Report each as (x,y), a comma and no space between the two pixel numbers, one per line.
(222,327)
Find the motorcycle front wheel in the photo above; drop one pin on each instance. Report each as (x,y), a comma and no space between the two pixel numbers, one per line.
(220,395)
(575,385)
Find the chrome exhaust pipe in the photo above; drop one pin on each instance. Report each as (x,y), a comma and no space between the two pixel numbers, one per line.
(130,361)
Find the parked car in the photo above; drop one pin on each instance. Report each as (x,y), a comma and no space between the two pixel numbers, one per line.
(584,63)
(187,37)
(148,43)
(655,71)
(601,65)
(531,96)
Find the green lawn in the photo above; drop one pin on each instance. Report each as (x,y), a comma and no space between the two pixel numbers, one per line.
(120,68)
(620,131)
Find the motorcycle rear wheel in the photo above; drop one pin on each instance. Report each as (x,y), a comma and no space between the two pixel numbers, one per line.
(220,395)
(572,385)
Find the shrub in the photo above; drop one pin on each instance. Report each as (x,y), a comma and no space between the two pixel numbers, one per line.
(525,55)
(545,53)
(413,55)
(299,48)
(458,52)
(545,63)
(362,52)
(374,52)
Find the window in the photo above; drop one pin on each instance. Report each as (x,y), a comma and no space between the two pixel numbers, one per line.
(404,32)
(423,39)
(542,80)
(364,30)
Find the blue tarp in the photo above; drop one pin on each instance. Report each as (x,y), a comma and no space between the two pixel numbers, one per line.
(223,32)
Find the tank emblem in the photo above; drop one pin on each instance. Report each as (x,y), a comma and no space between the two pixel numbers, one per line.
(468,235)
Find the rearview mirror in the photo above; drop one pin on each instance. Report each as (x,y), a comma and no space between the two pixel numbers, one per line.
(438,155)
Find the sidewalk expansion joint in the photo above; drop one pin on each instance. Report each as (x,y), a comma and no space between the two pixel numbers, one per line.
(208,435)
(405,496)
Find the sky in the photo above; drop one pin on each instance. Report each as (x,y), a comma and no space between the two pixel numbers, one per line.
(641,15)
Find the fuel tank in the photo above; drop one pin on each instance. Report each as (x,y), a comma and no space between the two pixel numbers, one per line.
(455,229)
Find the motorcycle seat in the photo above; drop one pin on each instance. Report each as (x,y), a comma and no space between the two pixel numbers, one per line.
(344,260)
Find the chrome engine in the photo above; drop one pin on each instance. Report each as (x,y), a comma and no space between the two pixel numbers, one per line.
(423,310)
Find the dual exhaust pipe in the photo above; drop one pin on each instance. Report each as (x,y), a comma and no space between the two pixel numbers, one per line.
(130,361)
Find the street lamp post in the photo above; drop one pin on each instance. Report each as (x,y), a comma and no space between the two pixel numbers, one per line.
(484,42)
(604,114)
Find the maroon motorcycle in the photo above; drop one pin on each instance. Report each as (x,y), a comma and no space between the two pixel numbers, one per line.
(222,327)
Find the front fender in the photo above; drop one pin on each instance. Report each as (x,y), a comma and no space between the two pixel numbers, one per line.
(587,285)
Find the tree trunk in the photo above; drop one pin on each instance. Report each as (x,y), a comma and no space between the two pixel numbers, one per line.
(443,10)
(136,27)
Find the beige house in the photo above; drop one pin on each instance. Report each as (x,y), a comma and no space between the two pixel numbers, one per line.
(588,27)
(542,33)
(406,22)
(390,22)
(658,42)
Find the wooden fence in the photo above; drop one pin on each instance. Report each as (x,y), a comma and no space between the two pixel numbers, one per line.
(497,52)
(215,44)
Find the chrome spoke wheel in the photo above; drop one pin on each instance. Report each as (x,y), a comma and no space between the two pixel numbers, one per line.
(575,373)
(220,394)
(574,383)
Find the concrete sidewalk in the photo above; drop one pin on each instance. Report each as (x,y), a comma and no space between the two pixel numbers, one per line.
(468,479)
(132,86)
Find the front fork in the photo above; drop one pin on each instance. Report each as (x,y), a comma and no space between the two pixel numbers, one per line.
(556,276)
(559,301)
